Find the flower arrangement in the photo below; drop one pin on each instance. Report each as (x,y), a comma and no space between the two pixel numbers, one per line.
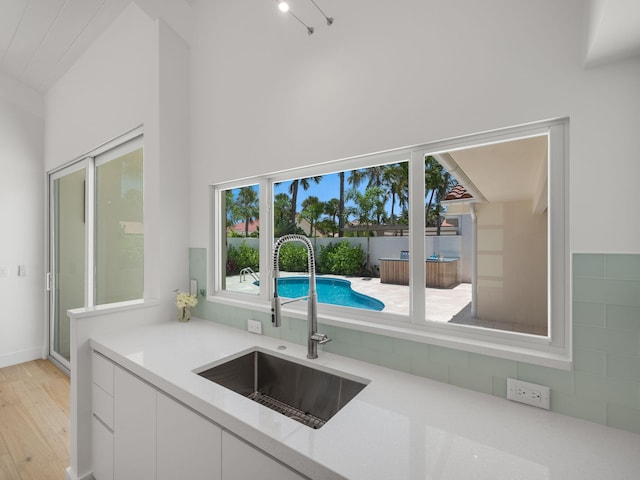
(184,299)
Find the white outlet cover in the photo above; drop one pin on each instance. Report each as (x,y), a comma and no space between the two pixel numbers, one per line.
(529,393)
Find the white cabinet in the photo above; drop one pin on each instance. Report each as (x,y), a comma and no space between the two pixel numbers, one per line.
(134,429)
(102,418)
(102,450)
(188,444)
(241,461)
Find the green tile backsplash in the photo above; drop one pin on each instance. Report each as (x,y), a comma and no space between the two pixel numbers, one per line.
(604,386)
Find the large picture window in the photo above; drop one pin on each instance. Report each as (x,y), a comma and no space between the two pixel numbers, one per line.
(463,240)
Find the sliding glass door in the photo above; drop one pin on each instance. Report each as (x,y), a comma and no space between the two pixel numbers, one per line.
(68,254)
(96,236)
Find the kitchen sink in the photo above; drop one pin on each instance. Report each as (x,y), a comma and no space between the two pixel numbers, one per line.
(308,395)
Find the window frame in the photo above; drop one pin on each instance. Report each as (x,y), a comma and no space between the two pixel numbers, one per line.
(553,350)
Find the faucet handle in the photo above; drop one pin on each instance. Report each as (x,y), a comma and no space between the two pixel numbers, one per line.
(321,338)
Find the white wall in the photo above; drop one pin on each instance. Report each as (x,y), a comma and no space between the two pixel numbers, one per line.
(266,96)
(134,74)
(22,227)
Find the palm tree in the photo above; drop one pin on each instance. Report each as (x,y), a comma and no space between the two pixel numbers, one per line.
(312,208)
(247,206)
(293,190)
(230,208)
(332,208)
(281,208)
(341,213)
(437,183)
(395,178)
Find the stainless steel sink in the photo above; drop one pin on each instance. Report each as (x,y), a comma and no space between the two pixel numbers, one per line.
(305,394)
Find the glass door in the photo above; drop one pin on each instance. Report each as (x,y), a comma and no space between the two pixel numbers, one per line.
(68,240)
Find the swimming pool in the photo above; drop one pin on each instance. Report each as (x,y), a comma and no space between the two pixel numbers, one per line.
(330,290)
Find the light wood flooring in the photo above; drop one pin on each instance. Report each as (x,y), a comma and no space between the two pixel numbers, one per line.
(34,422)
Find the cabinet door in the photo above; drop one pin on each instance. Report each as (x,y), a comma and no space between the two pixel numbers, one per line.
(240,461)
(134,428)
(188,444)
(102,450)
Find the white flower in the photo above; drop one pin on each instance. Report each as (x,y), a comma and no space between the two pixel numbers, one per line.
(184,299)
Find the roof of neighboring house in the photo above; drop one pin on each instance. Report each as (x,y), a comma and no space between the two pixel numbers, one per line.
(240,227)
(457,193)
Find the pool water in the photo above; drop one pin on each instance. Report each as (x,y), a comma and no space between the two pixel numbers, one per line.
(334,291)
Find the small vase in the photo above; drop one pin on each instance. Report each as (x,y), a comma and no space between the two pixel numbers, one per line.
(184,314)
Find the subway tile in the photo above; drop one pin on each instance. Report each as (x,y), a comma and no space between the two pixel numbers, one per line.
(347,336)
(395,361)
(377,342)
(585,408)
(463,377)
(585,313)
(623,317)
(588,265)
(622,417)
(198,266)
(588,290)
(622,292)
(499,387)
(492,366)
(599,387)
(605,340)
(413,349)
(449,356)
(352,351)
(622,266)
(560,380)
(426,368)
(627,368)
(592,361)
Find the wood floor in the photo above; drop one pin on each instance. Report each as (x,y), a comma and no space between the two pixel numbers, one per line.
(34,422)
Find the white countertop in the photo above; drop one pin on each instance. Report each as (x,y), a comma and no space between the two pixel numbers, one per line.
(399,427)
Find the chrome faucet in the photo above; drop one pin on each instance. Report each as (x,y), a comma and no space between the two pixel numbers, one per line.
(314,338)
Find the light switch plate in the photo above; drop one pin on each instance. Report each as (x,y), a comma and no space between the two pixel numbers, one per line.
(193,289)
(254,326)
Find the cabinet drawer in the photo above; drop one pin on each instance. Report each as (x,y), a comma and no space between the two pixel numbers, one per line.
(102,372)
(103,405)
(102,454)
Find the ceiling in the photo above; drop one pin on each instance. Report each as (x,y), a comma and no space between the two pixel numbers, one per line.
(508,171)
(41,39)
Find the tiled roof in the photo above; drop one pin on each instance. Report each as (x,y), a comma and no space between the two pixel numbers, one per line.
(458,193)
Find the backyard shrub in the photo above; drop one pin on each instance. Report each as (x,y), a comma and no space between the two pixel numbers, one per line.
(241,257)
(293,258)
(341,259)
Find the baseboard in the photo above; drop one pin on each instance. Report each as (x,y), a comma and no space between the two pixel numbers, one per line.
(14,358)
(70,475)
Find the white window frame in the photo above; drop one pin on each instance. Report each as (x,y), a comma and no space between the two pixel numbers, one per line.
(554,350)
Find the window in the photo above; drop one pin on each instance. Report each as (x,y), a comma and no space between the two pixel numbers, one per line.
(241,257)
(462,242)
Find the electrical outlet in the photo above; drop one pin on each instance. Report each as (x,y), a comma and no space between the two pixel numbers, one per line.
(529,393)
(254,326)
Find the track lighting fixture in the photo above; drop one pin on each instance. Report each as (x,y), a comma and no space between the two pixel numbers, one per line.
(328,19)
(283,6)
